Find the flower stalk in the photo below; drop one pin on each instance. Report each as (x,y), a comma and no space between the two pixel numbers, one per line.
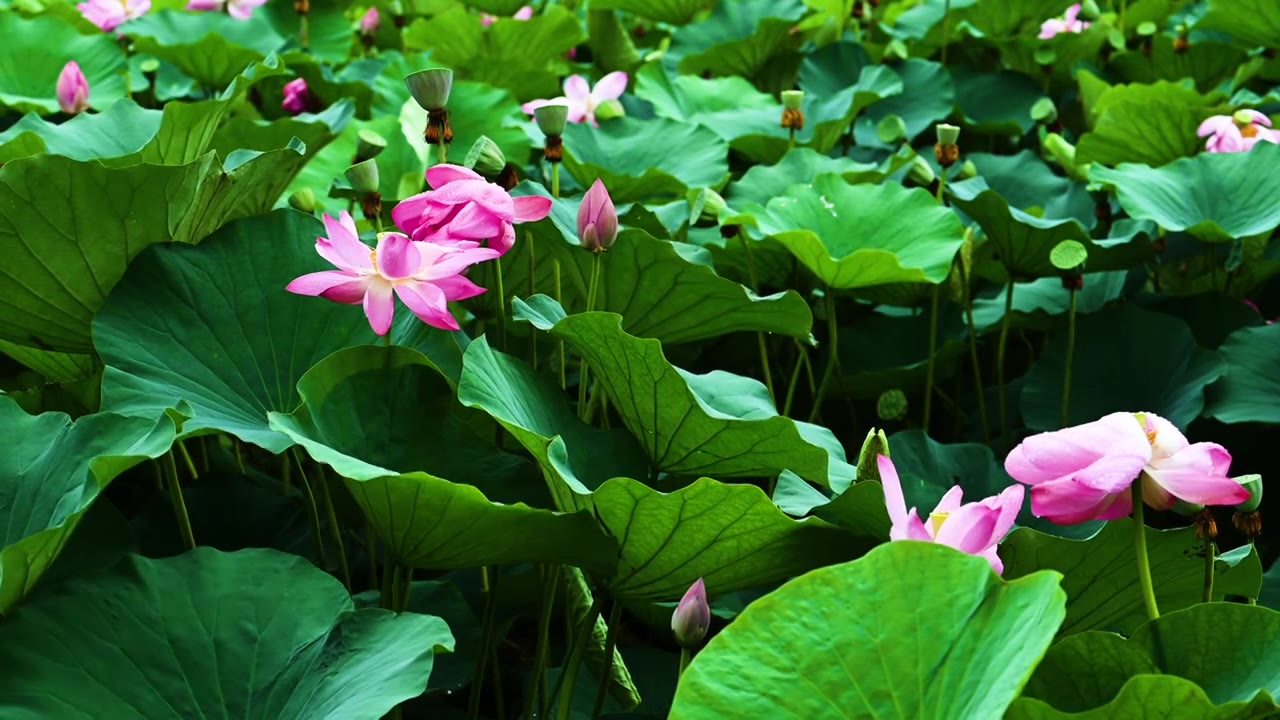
(1140,552)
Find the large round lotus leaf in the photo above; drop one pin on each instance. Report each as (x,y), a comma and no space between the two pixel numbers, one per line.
(664,157)
(211,331)
(1206,62)
(1169,382)
(761,182)
(328,28)
(1250,23)
(1027,183)
(452,502)
(1100,573)
(58,273)
(1215,196)
(1150,124)
(854,236)
(123,129)
(1247,391)
(996,103)
(212,48)
(675,12)
(51,471)
(513,55)
(737,38)
(927,96)
(35,51)
(254,634)
(1083,671)
(1152,697)
(840,642)
(1042,304)
(717,424)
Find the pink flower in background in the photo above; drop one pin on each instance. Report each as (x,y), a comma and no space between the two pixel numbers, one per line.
(464,207)
(583,99)
(1238,132)
(523,13)
(72,89)
(110,14)
(369,21)
(295,96)
(238,9)
(1256,309)
(1068,23)
(424,276)
(974,528)
(1085,472)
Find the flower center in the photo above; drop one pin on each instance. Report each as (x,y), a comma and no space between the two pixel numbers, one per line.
(373,258)
(1249,130)
(936,519)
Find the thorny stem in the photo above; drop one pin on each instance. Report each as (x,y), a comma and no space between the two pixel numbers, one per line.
(533,265)
(1210,553)
(186,460)
(335,530)
(555,180)
(502,305)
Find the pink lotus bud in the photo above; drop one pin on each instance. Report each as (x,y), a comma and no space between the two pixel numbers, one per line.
(295,96)
(597,219)
(369,22)
(692,616)
(72,89)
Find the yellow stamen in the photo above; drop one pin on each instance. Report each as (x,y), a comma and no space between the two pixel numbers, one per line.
(1249,130)
(936,519)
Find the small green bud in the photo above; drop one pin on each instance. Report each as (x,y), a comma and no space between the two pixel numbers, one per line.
(875,444)
(792,99)
(485,157)
(1147,29)
(892,405)
(1089,10)
(551,118)
(430,88)
(363,176)
(610,109)
(150,66)
(1044,111)
(896,50)
(369,144)
(1252,483)
(968,170)
(705,206)
(891,129)
(1045,56)
(303,200)
(947,134)
(921,172)
(1065,154)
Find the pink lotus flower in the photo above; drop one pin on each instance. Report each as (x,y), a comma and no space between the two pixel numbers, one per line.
(1236,133)
(597,219)
(1069,23)
(72,89)
(692,616)
(463,206)
(425,277)
(583,99)
(110,14)
(296,96)
(974,528)
(1258,310)
(523,13)
(369,22)
(1084,472)
(238,9)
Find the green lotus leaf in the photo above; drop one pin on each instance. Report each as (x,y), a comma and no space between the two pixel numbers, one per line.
(717,424)
(37,48)
(664,158)
(1101,578)
(674,12)
(123,129)
(857,236)
(1028,184)
(212,48)
(1169,383)
(1151,697)
(208,630)
(1149,124)
(1250,23)
(928,96)
(51,471)
(1206,62)
(55,366)
(1043,304)
(444,504)
(1218,197)
(330,34)
(1246,389)
(737,38)
(235,342)
(761,182)
(832,641)
(996,103)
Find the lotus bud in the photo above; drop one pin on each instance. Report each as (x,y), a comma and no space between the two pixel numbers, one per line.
(597,219)
(896,50)
(1065,154)
(369,145)
(792,115)
(610,109)
(692,617)
(921,172)
(706,206)
(968,170)
(875,444)
(1044,111)
(486,158)
(891,129)
(303,200)
(1252,483)
(551,118)
(1045,57)
(430,88)
(892,405)
(369,22)
(363,176)
(72,89)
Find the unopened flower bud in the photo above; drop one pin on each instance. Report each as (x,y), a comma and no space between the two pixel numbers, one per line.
(368,145)
(891,129)
(921,172)
(705,207)
(967,170)
(303,200)
(610,109)
(430,88)
(72,89)
(1252,483)
(369,22)
(597,219)
(363,176)
(486,158)
(875,444)
(551,118)
(692,617)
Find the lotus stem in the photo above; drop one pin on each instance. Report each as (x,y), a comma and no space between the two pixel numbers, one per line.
(1140,551)
(442,152)
(186,460)
(795,379)
(585,369)
(946,31)
(555,180)
(321,555)
(335,530)
(611,642)
(1064,414)
(933,353)
(490,582)
(755,288)
(1210,553)
(533,266)
(502,305)
(179,503)
(973,352)
(569,674)
(559,342)
(686,657)
(833,355)
(1005,322)
(537,680)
